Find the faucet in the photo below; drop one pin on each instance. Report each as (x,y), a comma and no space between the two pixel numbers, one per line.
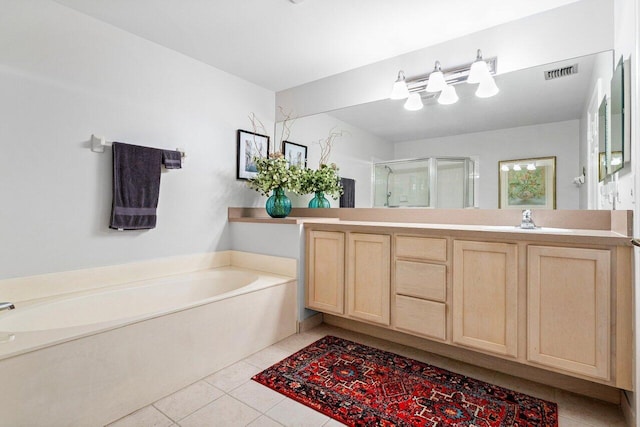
(6,306)
(527,222)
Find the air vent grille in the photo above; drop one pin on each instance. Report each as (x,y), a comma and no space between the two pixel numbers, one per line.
(561,72)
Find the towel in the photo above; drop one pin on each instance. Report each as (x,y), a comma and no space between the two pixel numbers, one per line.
(136,186)
(172,159)
(348,198)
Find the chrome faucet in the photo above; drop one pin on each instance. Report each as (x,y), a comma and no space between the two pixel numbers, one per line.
(6,306)
(527,222)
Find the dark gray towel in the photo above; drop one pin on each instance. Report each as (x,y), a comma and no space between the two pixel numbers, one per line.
(348,198)
(172,159)
(136,186)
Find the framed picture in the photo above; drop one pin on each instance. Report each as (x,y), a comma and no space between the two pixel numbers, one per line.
(295,154)
(250,146)
(527,183)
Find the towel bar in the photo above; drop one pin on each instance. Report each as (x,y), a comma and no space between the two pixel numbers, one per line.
(98,143)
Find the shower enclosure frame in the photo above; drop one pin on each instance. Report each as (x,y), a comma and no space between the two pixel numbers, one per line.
(470,183)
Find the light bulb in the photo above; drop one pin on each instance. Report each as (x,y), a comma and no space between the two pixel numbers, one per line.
(504,168)
(479,70)
(517,168)
(400,90)
(531,167)
(414,102)
(436,80)
(448,96)
(487,88)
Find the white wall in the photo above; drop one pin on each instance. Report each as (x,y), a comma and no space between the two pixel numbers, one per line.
(531,41)
(558,139)
(64,76)
(354,153)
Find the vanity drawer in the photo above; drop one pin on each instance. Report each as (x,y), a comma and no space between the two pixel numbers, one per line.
(421,280)
(428,248)
(422,317)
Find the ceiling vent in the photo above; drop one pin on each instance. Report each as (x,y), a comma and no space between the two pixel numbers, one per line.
(561,72)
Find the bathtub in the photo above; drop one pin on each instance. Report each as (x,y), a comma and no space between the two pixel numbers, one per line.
(89,357)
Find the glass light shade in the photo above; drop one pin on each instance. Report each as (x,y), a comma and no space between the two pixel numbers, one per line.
(479,72)
(448,96)
(399,90)
(487,88)
(436,82)
(505,168)
(517,168)
(414,102)
(531,167)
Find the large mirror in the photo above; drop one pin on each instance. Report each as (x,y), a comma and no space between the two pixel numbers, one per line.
(540,112)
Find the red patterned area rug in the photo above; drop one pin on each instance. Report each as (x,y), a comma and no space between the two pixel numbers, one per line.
(363,386)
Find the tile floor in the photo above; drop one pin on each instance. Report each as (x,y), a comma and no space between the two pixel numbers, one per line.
(230,398)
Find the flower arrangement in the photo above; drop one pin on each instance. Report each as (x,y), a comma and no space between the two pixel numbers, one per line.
(274,172)
(325,179)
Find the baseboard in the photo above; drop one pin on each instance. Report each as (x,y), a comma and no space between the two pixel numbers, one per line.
(310,322)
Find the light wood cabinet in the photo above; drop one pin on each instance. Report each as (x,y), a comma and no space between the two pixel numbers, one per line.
(325,271)
(485,296)
(568,309)
(369,277)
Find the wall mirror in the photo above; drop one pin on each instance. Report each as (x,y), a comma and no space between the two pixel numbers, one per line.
(617,155)
(531,117)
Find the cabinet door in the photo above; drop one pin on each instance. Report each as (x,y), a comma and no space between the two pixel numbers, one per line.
(568,305)
(485,296)
(325,271)
(369,277)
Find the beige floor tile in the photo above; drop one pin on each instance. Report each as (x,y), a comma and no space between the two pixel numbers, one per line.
(589,411)
(188,400)
(225,411)
(264,421)
(333,423)
(293,414)
(257,396)
(145,417)
(297,342)
(267,357)
(233,376)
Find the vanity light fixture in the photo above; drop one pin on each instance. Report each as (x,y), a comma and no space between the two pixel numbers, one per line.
(531,167)
(414,102)
(442,81)
(479,73)
(400,90)
(517,168)
(436,82)
(448,95)
(504,168)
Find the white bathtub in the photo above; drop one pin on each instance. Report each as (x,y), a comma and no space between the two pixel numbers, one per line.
(91,357)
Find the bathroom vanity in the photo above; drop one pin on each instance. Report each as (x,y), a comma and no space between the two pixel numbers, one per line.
(549,298)
(551,304)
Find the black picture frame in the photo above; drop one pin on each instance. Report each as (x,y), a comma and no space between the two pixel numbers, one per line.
(249,146)
(296,154)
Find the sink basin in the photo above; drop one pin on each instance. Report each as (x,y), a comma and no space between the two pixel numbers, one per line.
(526,230)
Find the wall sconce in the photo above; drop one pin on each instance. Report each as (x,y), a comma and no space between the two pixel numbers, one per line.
(479,72)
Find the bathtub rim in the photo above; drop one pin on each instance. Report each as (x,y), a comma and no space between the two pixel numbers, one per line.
(39,339)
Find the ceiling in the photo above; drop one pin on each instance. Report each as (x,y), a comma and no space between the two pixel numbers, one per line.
(278,45)
(525,98)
